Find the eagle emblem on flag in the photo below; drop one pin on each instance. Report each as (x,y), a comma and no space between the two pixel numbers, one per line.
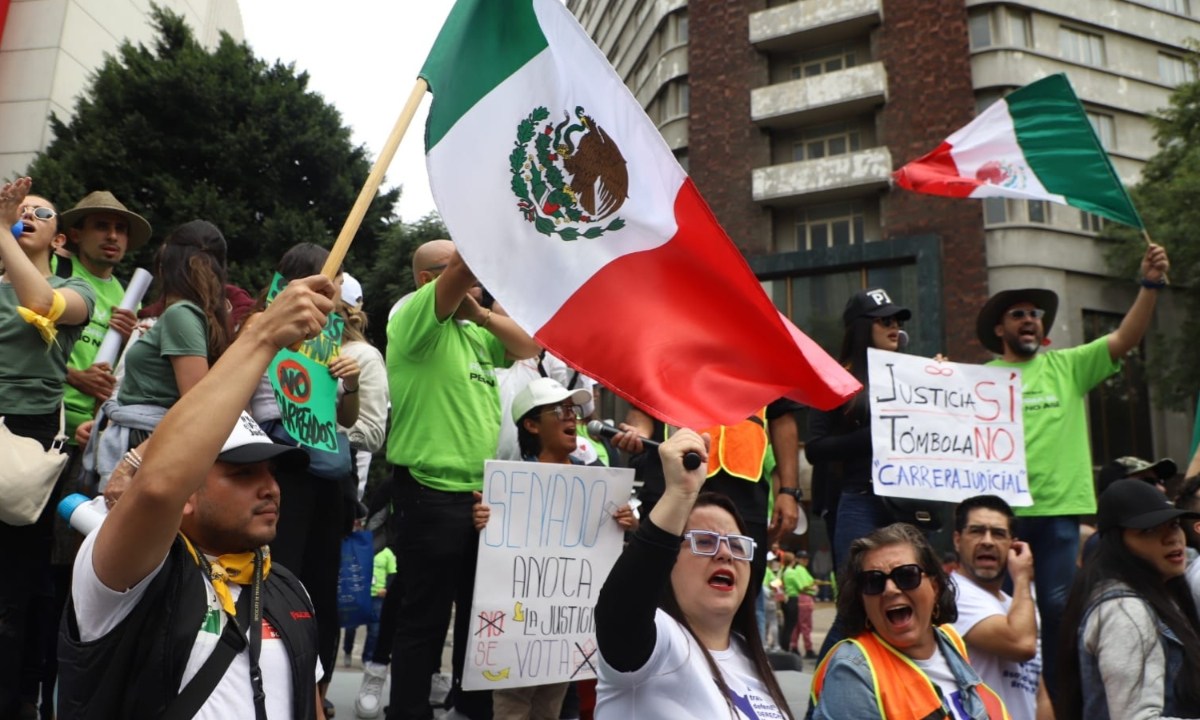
(569,177)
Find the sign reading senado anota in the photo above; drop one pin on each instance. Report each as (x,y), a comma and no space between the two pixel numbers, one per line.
(946,431)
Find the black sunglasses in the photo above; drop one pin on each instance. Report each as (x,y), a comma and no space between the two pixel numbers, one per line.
(906,577)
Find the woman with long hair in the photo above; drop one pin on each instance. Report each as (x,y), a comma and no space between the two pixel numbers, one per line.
(33,371)
(1131,641)
(177,350)
(308,537)
(897,662)
(677,631)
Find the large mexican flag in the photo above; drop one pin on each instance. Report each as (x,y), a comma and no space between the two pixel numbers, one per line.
(570,208)
(1035,144)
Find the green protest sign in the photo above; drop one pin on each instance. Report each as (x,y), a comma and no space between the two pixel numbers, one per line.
(304,389)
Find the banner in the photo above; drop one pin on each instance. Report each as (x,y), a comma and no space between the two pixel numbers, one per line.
(548,546)
(946,431)
(304,389)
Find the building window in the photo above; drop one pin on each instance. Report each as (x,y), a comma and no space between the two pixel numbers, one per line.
(833,225)
(1081,47)
(995,211)
(979,29)
(1090,222)
(1119,408)
(680,21)
(683,101)
(1019,31)
(825,60)
(1183,7)
(641,71)
(1174,70)
(825,141)
(1038,210)
(1105,127)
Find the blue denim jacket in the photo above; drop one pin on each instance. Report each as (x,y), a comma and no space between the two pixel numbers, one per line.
(1095,701)
(849,691)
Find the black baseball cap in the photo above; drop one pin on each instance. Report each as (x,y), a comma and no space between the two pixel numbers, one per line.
(1136,505)
(873,303)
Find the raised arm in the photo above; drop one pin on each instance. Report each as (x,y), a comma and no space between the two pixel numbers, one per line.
(28,280)
(1133,326)
(141,527)
(1012,636)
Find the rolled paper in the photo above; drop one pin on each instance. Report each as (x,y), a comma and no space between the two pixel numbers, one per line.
(111,345)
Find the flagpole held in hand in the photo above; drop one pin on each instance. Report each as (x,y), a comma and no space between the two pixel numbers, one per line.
(338,254)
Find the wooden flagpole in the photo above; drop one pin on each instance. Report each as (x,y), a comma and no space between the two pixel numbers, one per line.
(338,254)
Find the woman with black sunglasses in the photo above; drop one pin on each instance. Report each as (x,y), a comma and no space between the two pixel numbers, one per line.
(897,663)
(676,628)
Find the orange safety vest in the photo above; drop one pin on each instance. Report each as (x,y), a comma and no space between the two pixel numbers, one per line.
(739,450)
(902,691)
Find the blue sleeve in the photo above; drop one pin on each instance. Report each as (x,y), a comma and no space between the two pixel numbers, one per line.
(848,693)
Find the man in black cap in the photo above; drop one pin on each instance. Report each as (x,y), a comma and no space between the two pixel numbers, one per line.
(1014,324)
(176,610)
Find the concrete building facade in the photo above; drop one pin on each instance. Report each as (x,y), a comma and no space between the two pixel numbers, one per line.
(790,115)
(49,49)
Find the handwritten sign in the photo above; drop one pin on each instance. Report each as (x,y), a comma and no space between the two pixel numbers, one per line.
(304,390)
(946,431)
(548,546)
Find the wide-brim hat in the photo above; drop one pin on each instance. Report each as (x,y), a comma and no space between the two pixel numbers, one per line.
(104,201)
(993,311)
(1136,505)
(545,391)
(249,443)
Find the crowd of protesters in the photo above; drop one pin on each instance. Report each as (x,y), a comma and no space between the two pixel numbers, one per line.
(211,589)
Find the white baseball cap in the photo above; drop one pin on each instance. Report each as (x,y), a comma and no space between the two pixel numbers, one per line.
(352,290)
(545,391)
(249,443)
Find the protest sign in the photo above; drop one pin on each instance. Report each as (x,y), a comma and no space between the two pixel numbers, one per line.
(304,389)
(946,431)
(548,546)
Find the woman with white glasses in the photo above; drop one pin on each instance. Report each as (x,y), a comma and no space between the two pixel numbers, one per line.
(675,626)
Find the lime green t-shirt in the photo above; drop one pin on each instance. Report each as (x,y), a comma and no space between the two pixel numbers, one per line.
(81,406)
(32,373)
(445,406)
(384,565)
(1058,456)
(768,577)
(182,330)
(796,580)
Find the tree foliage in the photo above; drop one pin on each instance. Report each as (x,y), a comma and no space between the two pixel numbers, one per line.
(1166,197)
(178,132)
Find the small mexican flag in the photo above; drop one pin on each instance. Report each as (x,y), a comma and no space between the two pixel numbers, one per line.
(570,208)
(1035,144)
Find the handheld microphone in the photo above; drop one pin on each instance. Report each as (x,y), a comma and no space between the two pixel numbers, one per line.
(902,341)
(691,460)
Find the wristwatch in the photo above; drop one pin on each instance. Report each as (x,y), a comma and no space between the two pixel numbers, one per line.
(796,493)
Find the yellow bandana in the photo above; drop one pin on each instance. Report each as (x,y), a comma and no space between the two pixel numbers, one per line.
(233,567)
(45,323)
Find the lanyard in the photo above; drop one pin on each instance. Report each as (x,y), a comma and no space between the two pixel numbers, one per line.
(254,630)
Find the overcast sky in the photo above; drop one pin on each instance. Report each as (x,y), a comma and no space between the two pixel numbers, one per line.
(363,56)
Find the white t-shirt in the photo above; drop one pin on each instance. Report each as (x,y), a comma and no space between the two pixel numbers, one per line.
(677,683)
(99,609)
(937,669)
(1016,683)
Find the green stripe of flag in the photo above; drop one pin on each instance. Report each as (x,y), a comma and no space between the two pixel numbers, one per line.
(1062,149)
(482,43)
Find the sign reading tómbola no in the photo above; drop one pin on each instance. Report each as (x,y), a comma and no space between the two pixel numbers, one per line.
(304,389)
(548,546)
(946,431)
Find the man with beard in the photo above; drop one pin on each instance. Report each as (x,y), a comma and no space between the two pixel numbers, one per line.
(1001,630)
(1014,325)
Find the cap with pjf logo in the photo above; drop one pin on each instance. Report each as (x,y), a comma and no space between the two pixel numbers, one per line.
(873,303)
